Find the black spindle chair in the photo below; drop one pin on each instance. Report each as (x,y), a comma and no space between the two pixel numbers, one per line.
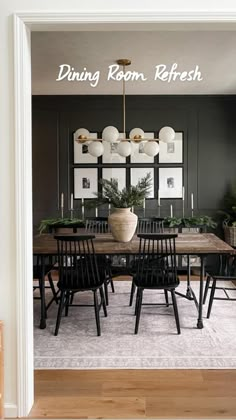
(79,270)
(156,270)
(226,273)
(150,225)
(146,225)
(98,225)
(49,266)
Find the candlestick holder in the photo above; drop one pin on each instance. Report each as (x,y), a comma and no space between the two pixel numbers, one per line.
(72,213)
(183,210)
(159,210)
(192,213)
(62,212)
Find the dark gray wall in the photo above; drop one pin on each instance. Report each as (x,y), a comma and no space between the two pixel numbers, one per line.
(208,124)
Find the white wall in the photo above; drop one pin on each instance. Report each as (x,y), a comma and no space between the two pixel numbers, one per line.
(8,276)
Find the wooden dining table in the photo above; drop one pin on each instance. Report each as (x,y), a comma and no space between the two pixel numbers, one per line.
(200,244)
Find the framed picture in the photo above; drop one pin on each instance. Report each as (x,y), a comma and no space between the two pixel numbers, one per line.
(137,173)
(85,182)
(172,152)
(138,155)
(110,154)
(115,173)
(171,182)
(81,154)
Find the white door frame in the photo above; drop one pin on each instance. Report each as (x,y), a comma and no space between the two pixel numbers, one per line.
(23,24)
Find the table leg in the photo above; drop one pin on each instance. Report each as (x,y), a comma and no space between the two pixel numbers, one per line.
(200,303)
(43,301)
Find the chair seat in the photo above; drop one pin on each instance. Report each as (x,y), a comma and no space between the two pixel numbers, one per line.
(73,285)
(166,282)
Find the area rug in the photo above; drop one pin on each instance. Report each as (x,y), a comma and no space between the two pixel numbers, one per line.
(157,345)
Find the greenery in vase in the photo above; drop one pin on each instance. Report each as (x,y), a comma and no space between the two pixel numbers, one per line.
(45,224)
(228,215)
(190,221)
(125,198)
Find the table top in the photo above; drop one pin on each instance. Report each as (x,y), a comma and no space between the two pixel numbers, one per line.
(186,243)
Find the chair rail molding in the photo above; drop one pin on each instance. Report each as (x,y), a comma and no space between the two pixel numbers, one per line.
(24,23)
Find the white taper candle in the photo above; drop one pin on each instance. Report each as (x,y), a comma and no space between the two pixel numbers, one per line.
(183,194)
(171,210)
(62,200)
(71,202)
(192,201)
(159,198)
(82,207)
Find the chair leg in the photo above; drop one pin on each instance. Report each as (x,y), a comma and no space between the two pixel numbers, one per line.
(213,288)
(166,297)
(59,313)
(175,310)
(103,301)
(52,287)
(67,303)
(106,292)
(206,288)
(72,297)
(112,286)
(96,308)
(133,287)
(138,311)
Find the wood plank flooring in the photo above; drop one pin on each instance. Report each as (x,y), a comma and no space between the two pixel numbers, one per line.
(138,394)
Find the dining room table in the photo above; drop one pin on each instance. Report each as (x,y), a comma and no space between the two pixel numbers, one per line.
(200,244)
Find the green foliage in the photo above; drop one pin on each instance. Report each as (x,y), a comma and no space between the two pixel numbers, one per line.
(128,197)
(228,215)
(190,221)
(45,224)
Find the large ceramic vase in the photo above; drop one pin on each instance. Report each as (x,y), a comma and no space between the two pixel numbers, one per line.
(123,224)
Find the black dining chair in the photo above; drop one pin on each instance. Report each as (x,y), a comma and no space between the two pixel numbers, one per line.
(49,266)
(79,271)
(156,270)
(96,225)
(150,225)
(226,274)
(146,225)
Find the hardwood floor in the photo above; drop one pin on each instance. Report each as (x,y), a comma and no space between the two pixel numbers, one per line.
(138,394)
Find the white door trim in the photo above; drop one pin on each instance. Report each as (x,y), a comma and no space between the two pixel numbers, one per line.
(23,24)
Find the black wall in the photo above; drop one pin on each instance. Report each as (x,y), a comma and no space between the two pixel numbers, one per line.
(208,124)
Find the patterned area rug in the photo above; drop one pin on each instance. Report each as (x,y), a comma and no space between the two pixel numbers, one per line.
(157,346)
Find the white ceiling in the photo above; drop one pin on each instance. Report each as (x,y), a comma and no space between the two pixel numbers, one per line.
(213,51)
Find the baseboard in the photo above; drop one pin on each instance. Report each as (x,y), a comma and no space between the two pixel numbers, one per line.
(10,410)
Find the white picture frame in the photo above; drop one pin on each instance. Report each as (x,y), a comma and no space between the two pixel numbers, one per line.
(137,173)
(171,182)
(110,155)
(172,152)
(138,155)
(85,182)
(81,154)
(117,173)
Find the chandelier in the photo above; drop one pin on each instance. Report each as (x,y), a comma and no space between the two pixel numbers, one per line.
(111,134)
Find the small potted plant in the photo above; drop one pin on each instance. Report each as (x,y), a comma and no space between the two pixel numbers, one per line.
(122,221)
(48,225)
(191,222)
(228,215)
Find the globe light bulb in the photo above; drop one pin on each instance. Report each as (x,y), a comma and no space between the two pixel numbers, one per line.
(166,134)
(96,148)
